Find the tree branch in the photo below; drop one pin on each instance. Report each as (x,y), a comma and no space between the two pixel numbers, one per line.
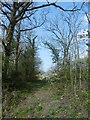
(6,5)
(5,14)
(3,26)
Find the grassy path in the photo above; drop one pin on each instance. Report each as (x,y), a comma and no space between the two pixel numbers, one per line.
(50,101)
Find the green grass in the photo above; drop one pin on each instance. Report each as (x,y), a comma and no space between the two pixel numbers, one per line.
(55,111)
(18,113)
(83,95)
(56,95)
(38,107)
(73,113)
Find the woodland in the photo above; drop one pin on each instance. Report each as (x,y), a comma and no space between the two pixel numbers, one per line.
(27,90)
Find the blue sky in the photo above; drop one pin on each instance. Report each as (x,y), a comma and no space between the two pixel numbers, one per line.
(44,53)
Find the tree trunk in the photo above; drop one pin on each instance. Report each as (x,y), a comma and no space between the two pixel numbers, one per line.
(17,47)
(75,79)
(79,66)
(33,58)
(8,48)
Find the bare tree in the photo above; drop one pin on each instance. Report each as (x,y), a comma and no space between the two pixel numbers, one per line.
(64,42)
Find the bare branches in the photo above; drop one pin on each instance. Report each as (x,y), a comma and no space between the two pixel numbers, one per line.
(71,10)
(3,25)
(29,29)
(54,51)
(23,10)
(5,14)
(34,22)
(5,4)
(41,6)
(22,7)
(58,6)
(26,16)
